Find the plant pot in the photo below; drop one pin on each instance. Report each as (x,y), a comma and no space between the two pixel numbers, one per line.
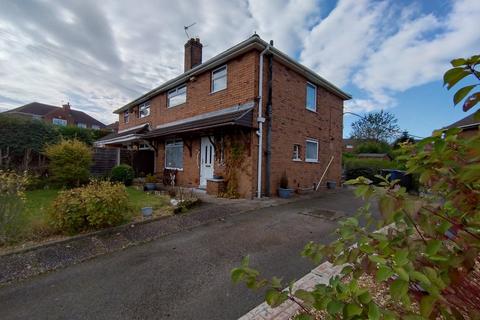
(285,193)
(331,184)
(150,186)
(147,212)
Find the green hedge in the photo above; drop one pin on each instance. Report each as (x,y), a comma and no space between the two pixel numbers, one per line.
(367,167)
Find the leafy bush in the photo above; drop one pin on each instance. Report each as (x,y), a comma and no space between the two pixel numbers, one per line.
(97,205)
(122,173)
(22,141)
(87,136)
(70,162)
(373,147)
(12,186)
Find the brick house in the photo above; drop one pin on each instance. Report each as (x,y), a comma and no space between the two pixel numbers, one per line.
(207,124)
(61,116)
(469,125)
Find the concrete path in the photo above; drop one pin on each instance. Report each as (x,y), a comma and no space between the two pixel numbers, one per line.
(184,275)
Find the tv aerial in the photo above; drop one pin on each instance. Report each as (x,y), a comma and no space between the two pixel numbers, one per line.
(185,28)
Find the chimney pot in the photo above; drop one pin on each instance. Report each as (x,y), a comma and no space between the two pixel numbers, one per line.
(66,106)
(193,53)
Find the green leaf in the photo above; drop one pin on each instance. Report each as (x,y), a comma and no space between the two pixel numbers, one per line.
(462,93)
(458,62)
(245,261)
(432,247)
(276,283)
(365,298)
(401,257)
(383,273)
(306,296)
(334,307)
(353,309)
(275,298)
(237,275)
(377,259)
(387,207)
(373,311)
(423,279)
(426,306)
(402,273)
(398,289)
(452,76)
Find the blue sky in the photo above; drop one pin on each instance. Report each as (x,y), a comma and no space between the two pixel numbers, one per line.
(99,55)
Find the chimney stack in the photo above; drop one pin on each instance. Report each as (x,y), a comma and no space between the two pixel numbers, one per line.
(193,53)
(66,106)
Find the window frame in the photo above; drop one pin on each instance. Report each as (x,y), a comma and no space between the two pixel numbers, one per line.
(81,125)
(144,106)
(296,153)
(95,127)
(311,160)
(309,84)
(62,122)
(175,90)
(212,79)
(172,142)
(126,116)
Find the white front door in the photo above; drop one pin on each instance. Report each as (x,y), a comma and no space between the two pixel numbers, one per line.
(207,158)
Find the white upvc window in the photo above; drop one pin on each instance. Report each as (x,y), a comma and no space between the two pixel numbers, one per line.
(219,79)
(174,154)
(144,109)
(296,153)
(95,127)
(81,125)
(59,122)
(177,96)
(311,150)
(311,98)
(126,116)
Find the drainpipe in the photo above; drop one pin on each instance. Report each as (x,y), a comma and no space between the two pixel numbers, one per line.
(268,116)
(260,121)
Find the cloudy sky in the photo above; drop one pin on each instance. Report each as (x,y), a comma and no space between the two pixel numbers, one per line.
(99,55)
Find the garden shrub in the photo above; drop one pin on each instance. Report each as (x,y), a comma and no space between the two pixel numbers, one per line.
(87,136)
(12,187)
(97,205)
(368,168)
(373,147)
(122,173)
(70,162)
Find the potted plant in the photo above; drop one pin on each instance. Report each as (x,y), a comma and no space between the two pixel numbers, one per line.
(150,182)
(283,190)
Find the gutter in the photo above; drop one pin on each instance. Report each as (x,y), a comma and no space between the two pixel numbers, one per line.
(260,121)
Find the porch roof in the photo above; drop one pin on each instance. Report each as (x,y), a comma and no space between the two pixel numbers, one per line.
(130,134)
(238,115)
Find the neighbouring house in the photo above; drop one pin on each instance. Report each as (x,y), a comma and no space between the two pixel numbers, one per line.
(350,144)
(245,116)
(469,126)
(61,116)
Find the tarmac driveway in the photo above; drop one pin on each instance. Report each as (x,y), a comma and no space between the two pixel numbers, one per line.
(184,275)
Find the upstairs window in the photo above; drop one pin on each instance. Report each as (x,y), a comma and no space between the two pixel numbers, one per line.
(177,96)
(311,150)
(81,125)
(296,153)
(59,122)
(95,127)
(174,154)
(219,79)
(144,110)
(126,116)
(311,101)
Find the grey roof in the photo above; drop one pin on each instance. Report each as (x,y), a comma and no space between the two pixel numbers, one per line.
(41,109)
(254,42)
(468,122)
(134,131)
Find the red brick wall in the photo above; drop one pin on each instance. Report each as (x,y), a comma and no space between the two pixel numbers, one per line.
(240,89)
(292,124)
(59,113)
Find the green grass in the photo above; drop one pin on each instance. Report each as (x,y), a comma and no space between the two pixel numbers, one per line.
(140,199)
(38,201)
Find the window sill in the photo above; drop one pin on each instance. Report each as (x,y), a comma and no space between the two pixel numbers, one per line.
(170,168)
(311,161)
(213,92)
(314,111)
(297,160)
(177,105)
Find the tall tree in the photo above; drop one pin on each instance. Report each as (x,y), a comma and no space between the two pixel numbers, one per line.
(376,126)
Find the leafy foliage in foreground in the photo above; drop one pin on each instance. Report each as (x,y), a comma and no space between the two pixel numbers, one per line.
(12,187)
(426,250)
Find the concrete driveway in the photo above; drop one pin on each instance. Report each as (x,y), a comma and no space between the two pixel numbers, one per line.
(181,276)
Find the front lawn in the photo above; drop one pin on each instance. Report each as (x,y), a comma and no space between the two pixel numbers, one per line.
(35,224)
